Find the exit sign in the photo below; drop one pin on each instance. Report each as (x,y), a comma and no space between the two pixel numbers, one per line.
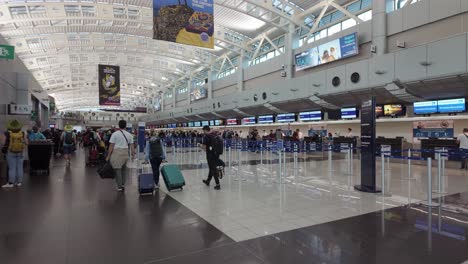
(7,52)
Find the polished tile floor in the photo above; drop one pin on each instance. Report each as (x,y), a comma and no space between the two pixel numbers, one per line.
(256,202)
(72,216)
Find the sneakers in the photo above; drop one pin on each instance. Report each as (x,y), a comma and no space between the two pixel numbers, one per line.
(217,187)
(121,189)
(19,184)
(206,182)
(8,185)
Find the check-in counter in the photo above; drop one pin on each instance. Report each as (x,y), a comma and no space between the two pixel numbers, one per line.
(434,143)
(395,144)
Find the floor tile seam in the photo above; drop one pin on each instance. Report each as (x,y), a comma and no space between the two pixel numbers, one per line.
(191,253)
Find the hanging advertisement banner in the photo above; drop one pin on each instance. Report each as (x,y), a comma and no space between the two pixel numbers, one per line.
(187,22)
(433,128)
(198,93)
(109,85)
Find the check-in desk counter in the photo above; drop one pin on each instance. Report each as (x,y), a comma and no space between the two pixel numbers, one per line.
(433,143)
(344,141)
(310,142)
(395,144)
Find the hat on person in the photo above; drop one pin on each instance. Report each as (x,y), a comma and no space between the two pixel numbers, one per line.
(68,128)
(14,125)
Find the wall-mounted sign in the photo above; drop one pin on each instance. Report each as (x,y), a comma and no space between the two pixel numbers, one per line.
(7,52)
(435,129)
(334,50)
(14,109)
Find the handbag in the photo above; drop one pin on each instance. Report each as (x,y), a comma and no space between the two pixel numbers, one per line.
(106,171)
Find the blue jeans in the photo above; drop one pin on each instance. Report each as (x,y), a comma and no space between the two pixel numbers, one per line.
(15,167)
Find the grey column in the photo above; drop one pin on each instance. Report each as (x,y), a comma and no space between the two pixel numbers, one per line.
(189,88)
(288,50)
(23,96)
(379,26)
(240,71)
(210,83)
(174,99)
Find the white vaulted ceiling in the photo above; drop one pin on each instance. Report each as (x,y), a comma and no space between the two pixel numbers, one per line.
(62,43)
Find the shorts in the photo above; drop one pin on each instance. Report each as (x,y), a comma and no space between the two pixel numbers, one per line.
(67,149)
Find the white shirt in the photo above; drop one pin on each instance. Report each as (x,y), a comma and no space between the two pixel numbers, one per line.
(350,134)
(118,139)
(463,141)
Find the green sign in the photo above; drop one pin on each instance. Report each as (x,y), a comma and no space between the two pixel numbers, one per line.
(7,52)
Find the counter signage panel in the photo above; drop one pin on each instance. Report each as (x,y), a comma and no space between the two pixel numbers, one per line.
(286,118)
(451,106)
(334,50)
(265,119)
(348,113)
(433,129)
(248,121)
(231,122)
(424,108)
(310,116)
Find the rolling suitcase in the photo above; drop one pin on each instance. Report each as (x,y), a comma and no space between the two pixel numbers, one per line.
(173,177)
(145,182)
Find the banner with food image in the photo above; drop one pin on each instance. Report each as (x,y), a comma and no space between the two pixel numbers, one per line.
(189,22)
(433,129)
(109,85)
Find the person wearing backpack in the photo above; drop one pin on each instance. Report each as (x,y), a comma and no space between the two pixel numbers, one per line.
(155,152)
(15,143)
(213,150)
(68,140)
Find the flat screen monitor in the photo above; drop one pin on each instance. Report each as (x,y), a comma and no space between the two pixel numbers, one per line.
(190,124)
(331,51)
(231,122)
(394,110)
(334,114)
(267,119)
(219,122)
(349,113)
(248,121)
(424,108)
(310,116)
(286,118)
(212,122)
(197,124)
(379,110)
(205,123)
(451,105)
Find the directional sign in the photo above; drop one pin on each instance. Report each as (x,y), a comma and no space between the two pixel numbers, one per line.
(7,52)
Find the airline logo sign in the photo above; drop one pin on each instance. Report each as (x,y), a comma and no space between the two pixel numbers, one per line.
(7,52)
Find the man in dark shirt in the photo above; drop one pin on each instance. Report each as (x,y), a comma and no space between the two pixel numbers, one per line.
(211,157)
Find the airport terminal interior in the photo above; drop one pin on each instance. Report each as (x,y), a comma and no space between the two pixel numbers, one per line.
(233,131)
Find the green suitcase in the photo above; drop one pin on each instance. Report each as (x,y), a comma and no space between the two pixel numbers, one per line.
(172,177)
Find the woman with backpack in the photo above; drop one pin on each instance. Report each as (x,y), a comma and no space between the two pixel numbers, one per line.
(155,152)
(15,143)
(68,140)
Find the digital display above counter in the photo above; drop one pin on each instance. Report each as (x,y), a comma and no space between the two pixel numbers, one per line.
(248,121)
(268,119)
(451,105)
(334,50)
(212,123)
(286,118)
(310,116)
(231,122)
(394,110)
(197,124)
(425,108)
(205,123)
(190,124)
(349,113)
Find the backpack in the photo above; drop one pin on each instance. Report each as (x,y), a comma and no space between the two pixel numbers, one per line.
(16,142)
(155,148)
(87,139)
(217,145)
(68,138)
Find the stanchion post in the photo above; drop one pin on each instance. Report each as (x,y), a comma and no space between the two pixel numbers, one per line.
(352,159)
(409,164)
(429,183)
(382,161)
(443,170)
(439,171)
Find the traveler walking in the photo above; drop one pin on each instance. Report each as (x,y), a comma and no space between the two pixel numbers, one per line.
(36,134)
(209,145)
(155,153)
(68,140)
(120,147)
(15,144)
